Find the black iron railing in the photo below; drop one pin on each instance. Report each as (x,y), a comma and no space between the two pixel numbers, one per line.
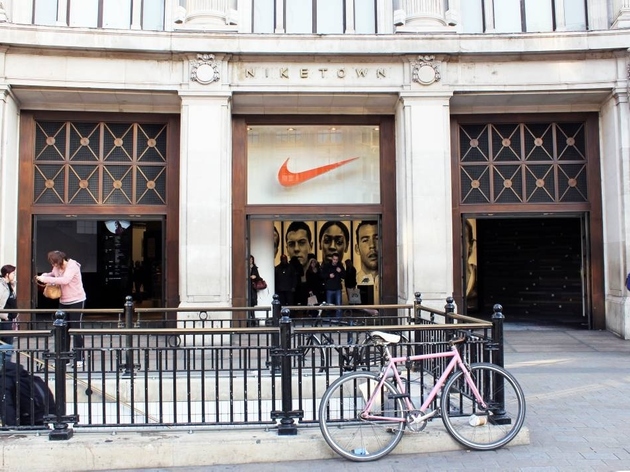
(210,370)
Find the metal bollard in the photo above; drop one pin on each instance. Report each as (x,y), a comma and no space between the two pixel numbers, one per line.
(449,308)
(497,335)
(61,429)
(128,338)
(287,425)
(500,415)
(275,338)
(416,307)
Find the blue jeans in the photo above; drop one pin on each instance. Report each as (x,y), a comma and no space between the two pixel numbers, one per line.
(333,297)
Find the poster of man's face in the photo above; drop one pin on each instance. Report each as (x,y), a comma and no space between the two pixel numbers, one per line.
(299,241)
(367,245)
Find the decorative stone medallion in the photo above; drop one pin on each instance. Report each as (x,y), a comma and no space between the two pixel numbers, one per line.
(425,71)
(205,70)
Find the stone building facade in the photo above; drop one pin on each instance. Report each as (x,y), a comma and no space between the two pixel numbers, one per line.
(487,143)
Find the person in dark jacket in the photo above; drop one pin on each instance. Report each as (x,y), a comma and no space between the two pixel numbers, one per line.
(285,281)
(254,275)
(332,274)
(300,295)
(350,280)
(7,302)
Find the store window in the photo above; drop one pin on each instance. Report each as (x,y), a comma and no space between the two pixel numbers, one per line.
(517,16)
(114,14)
(45,12)
(315,16)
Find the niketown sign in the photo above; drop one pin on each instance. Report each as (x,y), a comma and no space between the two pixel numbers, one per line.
(321,74)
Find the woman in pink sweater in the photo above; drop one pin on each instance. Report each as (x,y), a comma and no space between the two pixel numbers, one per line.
(67,274)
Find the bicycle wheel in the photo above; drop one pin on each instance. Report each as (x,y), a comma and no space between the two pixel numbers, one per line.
(342,427)
(472,425)
(313,355)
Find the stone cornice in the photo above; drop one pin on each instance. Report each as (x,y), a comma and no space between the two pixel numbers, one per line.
(134,41)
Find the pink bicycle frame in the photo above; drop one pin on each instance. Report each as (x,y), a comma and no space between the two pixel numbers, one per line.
(456,361)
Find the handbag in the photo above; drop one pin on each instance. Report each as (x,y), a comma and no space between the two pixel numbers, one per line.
(311,300)
(52,291)
(354,296)
(260,284)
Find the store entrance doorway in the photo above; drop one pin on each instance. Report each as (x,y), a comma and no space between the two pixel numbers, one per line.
(536,268)
(119,257)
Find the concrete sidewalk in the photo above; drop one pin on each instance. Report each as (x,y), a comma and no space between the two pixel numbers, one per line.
(577,386)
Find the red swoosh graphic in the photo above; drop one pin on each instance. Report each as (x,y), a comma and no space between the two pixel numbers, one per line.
(289,179)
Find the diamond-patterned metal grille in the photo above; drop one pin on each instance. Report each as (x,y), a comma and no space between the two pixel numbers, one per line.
(473,144)
(100,163)
(522,163)
(507,184)
(506,139)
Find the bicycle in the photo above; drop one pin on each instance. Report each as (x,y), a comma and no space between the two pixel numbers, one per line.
(363,415)
(315,347)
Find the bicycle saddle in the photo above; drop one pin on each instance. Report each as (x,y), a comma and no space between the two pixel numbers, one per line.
(385,338)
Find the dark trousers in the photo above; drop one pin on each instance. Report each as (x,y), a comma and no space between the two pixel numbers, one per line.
(74,322)
(285,297)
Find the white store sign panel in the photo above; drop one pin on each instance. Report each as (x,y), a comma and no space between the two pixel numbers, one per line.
(313,165)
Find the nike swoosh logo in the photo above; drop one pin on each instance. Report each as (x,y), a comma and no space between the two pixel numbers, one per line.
(286,178)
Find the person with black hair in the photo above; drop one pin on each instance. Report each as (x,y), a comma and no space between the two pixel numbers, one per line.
(254,275)
(332,274)
(285,281)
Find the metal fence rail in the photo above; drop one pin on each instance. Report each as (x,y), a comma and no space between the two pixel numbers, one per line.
(214,371)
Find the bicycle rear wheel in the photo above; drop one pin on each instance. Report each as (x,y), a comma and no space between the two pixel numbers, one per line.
(313,353)
(340,417)
(477,427)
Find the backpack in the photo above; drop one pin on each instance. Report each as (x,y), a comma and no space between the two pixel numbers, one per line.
(25,397)
(628,281)
(43,400)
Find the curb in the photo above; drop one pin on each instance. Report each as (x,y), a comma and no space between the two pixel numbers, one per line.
(106,451)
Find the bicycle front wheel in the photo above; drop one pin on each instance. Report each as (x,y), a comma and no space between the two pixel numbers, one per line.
(341,424)
(473,425)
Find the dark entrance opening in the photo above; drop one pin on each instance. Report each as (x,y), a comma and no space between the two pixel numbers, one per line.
(119,257)
(533,267)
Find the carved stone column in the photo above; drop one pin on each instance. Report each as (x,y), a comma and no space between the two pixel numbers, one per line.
(206,193)
(621,13)
(423,122)
(423,15)
(210,14)
(205,183)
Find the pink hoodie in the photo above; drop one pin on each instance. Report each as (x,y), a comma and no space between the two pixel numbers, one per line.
(69,279)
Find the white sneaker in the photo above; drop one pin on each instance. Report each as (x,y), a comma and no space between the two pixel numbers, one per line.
(79,364)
